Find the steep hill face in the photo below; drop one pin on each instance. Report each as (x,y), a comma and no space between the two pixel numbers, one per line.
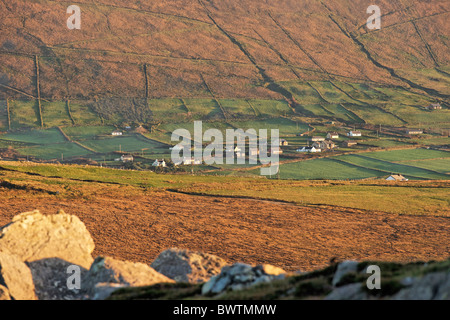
(226,48)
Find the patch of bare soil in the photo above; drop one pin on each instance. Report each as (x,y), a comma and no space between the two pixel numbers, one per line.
(138,226)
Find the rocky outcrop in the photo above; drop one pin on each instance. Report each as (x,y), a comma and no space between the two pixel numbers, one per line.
(433,286)
(240,276)
(106,270)
(16,281)
(103,291)
(50,277)
(352,291)
(188,266)
(4,293)
(343,269)
(33,236)
(39,253)
(430,283)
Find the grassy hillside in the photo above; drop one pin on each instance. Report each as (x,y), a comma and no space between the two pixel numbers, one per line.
(410,198)
(219,49)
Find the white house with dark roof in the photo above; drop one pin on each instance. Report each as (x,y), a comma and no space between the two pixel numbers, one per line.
(117,133)
(414,131)
(332,135)
(309,149)
(127,158)
(159,163)
(434,106)
(354,134)
(396,177)
(316,139)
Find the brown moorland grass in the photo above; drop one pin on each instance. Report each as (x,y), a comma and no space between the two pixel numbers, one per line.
(136,224)
(242,42)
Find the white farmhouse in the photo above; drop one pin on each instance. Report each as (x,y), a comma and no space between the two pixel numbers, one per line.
(117,133)
(396,177)
(309,149)
(354,134)
(159,163)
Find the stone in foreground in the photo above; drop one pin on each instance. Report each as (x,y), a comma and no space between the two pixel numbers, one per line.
(106,270)
(188,266)
(240,276)
(16,278)
(33,236)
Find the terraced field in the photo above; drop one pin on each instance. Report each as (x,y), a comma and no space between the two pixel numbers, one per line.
(431,164)
(124,144)
(325,169)
(48,136)
(57,151)
(164,66)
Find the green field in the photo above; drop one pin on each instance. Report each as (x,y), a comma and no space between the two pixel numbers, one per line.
(388,168)
(55,114)
(87,132)
(82,114)
(439,165)
(167,109)
(3,116)
(324,169)
(203,109)
(238,108)
(408,154)
(41,137)
(350,105)
(285,126)
(132,143)
(374,115)
(303,93)
(412,198)
(24,114)
(371,165)
(271,108)
(384,143)
(339,112)
(58,151)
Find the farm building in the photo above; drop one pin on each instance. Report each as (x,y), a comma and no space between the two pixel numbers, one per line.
(140,129)
(332,135)
(316,138)
(116,133)
(324,145)
(275,150)
(253,152)
(127,158)
(414,131)
(349,143)
(309,149)
(232,149)
(434,106)
(354,134)
(396,177)
(159,163)
(191,161)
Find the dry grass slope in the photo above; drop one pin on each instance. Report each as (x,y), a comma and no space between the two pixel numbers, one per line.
(243,48)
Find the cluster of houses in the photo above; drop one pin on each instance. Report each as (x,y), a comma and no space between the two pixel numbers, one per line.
(434,106)
(129,158)
(414,131)
(320,144)
(118,133)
